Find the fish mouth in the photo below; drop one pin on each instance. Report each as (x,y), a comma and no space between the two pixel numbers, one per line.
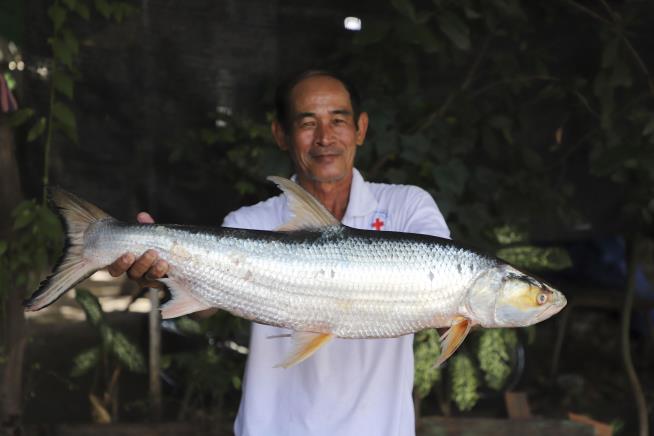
(558,303)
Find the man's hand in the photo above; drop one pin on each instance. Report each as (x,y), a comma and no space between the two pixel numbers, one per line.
(147,268)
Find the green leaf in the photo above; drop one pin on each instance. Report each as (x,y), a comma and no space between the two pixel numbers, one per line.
(70,41)
(36,130)
(63,83)
(91,306)
(61,51)
(471,13)
(127,353)
(494,354)
(621,75)
(83,11)
(71,4)
(121,10)
(426,346)
(3,247)
(374,31)
(463,378)
(64,114)
(649,127)
(427,39)
(188,325)
(531,159)
(451,177)
(406,8)
(58,15)
(536,258)
(20,116)
(455,29)
(610,53)
(49,224)
(24,217)
(103,7)
(69,131)
(79,7)
(504,124)
(85,361)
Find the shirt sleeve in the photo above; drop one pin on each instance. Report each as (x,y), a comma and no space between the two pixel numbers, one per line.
(423,215)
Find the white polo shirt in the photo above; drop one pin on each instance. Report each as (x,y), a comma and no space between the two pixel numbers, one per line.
(350,386)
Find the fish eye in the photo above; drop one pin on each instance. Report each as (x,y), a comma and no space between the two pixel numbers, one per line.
(541,298)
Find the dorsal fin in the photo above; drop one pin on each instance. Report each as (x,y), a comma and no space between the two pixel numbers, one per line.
(308,212)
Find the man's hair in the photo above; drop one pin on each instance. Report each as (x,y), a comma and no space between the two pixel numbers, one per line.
(284,90)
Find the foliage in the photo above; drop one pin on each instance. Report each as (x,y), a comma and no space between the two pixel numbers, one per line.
(426,345)
(464,381)
(486,105)
(36,234)
(59,116)
(492,351)
(489,107)
(35,240)
(115,352)
(494,354)
(209,373)
(113,342)
(235,148)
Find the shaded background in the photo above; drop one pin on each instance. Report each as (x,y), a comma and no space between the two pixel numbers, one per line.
(531,124)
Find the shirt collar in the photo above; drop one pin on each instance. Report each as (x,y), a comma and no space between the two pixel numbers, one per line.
(361,202)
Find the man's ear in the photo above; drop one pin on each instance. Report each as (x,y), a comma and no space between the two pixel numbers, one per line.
(279,134)
(362,127)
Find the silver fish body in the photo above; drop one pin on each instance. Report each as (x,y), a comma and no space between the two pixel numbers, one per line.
(351,283)
(315,276)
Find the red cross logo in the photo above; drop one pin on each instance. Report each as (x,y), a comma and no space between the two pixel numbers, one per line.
(378,224)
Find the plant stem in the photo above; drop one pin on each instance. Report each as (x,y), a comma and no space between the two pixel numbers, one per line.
(46,151)
(641,405)
(48,140)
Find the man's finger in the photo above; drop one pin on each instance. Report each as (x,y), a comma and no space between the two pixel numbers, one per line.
(158,270)
(144,218)
(121,264)
(142,264)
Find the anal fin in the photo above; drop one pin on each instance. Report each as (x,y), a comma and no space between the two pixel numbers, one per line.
(182,302)
(304,345)
(453,338)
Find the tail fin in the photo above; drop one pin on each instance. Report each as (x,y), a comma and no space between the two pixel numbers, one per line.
(77,215)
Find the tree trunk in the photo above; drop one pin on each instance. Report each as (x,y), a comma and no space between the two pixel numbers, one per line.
(13,318)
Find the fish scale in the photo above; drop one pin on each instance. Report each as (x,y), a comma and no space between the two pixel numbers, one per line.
(372,293)
(289,264)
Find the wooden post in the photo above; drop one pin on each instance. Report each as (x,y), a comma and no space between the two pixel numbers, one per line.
(147,158)
(154,355)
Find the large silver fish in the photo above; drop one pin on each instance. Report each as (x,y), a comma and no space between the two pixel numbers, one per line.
(314,275)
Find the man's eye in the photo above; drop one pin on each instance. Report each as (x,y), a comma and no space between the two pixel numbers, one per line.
(308,124)
(339,121)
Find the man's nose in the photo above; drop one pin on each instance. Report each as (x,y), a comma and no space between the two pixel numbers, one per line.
(324,134)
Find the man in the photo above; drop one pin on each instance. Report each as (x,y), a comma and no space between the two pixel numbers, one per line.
(349,387)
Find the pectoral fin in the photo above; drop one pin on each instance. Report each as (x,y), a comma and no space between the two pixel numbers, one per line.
(453,338)
(182,301)
(304,345)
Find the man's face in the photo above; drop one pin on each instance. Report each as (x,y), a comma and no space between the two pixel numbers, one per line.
(323,136)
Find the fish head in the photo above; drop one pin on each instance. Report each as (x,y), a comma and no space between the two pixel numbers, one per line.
(523,300)
(506,297)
